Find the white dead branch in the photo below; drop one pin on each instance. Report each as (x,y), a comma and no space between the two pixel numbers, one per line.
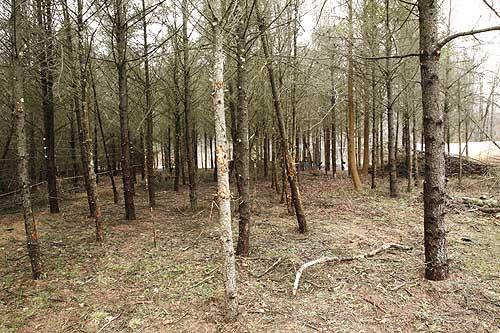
(344,259)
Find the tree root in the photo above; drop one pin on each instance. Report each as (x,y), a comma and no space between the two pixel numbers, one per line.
(343,259)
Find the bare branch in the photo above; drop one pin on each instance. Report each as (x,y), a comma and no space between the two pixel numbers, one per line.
(448,39)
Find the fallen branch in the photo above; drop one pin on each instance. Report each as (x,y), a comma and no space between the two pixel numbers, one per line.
(109,322)
(343,259)
(276,263)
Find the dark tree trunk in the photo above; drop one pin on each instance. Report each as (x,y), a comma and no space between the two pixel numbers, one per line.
(47,63)
(121,66)
(374,128)
(187,109)
(96,149)
(205,151)
(393,186)
(327,148)
(242,161)
(333,100)
(290,165)
(266,155)
(436,258)
(110,165)
(149,116)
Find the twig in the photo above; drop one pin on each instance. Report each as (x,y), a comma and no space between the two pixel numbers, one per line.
(109,322)
(201,281)
(276,263)
(343,259)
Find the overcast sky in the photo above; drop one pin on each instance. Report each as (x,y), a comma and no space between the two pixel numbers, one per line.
(465,15)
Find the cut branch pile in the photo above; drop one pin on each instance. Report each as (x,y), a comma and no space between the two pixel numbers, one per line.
(306,265)
(470,166)
(483,204)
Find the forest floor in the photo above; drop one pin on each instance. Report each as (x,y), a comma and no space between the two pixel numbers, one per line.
(128,285)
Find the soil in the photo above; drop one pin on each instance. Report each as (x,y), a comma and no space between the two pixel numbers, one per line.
(128,284)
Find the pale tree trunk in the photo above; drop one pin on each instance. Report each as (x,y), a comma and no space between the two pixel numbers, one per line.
(22,152)
(242,143)
(351,150)
(290,165)
(121,66)
(187,109)
(82,117)
(150,171)
(223,190)
(436,258)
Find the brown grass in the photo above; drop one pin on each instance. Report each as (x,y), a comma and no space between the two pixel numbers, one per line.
(177,286)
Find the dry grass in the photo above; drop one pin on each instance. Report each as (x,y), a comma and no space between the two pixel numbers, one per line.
(130,286)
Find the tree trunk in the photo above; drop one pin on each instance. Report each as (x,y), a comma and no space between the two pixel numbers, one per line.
(374,128)
(187,109)
(47,63)
(393,186)
(434,188)
(83,121)
(150,170)
(223,190)
(104,146)
(242,161)
(333,99)
(17,17)
(327,148)
(290,165)
(351,151)
(121,66)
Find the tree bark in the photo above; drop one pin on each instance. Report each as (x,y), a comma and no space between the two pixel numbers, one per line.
(393,186)
(104,145)
(47,63)
(149,116)
(223,190)
(290,165)
(34,253)
(121,66)
(83,121)
(187,109)
(436,258)
(351,151)
(242,144)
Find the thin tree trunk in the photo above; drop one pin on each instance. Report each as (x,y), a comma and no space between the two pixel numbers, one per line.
(150,170)
(242,161)
(351,151)
(187,109)
(223,190)
(290,165)
(393,186)
(47,62)
(407,145)
(104,146)
(374,128)
(121,66)
(34,254)
(366,134)
(83,121)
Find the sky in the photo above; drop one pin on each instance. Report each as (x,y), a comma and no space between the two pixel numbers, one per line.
(465,15)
